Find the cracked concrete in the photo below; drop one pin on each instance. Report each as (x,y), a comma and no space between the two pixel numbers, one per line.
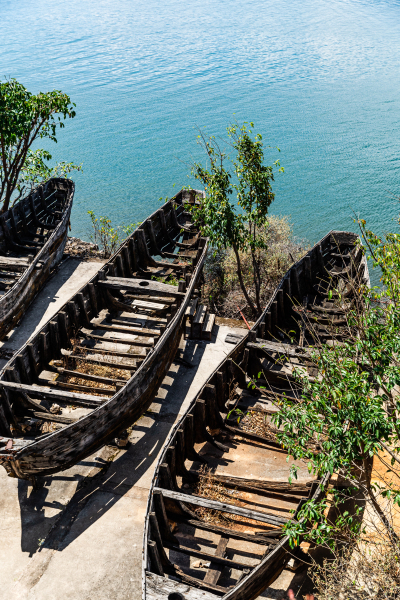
(79,535)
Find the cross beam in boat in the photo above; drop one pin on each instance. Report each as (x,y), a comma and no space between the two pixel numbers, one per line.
(49,393)
(224,507)
(234,564)
(16,263)
(141,286)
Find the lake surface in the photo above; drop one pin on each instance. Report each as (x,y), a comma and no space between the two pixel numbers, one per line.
(319,79)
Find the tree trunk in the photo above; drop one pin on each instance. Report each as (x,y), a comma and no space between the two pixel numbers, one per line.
(239,273)
(392,534)
(257,281)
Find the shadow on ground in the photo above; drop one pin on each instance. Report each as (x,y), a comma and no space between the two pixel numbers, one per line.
(115,478)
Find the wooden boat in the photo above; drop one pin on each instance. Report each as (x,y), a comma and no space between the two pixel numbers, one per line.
(220,494)
(106,352)
(33,234)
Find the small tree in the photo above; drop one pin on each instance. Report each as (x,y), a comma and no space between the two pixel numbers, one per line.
(25,117)
(348,414)
(219,219)
(107,237)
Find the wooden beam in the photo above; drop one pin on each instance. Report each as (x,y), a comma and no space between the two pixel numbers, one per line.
(55,418)
(49,393)
(254,538)
(142,331)
(141,286)
(280,348)
(234,564)
(105,380)
(224,507)
(215,569)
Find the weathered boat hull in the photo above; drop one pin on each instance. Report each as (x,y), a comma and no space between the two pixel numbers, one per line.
(133,267)
(14,302)
(205,432)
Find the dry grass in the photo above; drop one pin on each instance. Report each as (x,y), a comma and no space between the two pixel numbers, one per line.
(258,423)
(101,370)
(221,288)
(92,368)
(87,382)
(360,573)
(208,487)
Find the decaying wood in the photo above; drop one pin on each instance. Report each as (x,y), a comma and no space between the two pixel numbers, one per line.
(160,588)
(46,392)
(255,538)
(32,260)
(103,350)
(215,569)
(262,357)
(224,507)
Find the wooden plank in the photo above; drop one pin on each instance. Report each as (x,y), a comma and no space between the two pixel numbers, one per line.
(254,538)
(142,331)
(198,321)
(109,347)
(91,334)
(55,418)
(155,557)
(206,332)
(215,569)
(293,492)
(79,387)
(224,507)
(234,338)
(161,588)
(107,360)
(97,378)
(265,538)
(14,263)
(234,564)
(149,305)
(47,392)
(141,286)
(151,298)
(280,348)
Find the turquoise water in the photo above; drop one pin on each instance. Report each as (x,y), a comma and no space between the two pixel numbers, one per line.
(320,79)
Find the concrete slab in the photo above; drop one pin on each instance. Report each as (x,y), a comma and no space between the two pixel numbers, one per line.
(71,275)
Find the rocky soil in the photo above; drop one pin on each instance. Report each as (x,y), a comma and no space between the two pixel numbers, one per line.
(81,249)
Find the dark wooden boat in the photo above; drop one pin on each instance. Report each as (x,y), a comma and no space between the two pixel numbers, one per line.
(106,352)
(33,234)
(220,493)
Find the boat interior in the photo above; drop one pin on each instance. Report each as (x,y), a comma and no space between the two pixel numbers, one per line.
(26,227)
(98,340)
(220,493)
